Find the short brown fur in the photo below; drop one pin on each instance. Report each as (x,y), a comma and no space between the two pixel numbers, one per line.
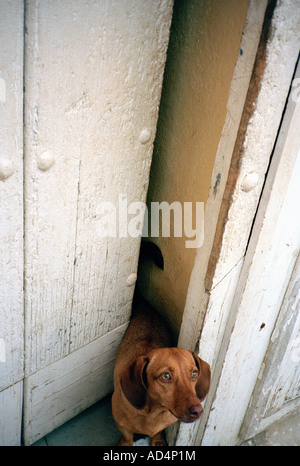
(143,401)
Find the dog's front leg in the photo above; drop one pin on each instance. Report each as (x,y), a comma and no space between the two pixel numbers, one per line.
(127,437)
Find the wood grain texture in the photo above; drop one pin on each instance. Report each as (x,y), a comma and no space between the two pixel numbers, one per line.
(215,306)
(11,415)
(277,389)
(93,81)
(63,389)
(11,194)
(267,269)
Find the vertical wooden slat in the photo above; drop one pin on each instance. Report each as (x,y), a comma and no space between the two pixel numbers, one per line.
(11,415)
(124,91)
(273,246)
(93,77)
(93,80)
(11,220)
(51,136)
(277,389)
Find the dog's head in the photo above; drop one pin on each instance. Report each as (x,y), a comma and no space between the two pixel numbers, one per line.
(173,378)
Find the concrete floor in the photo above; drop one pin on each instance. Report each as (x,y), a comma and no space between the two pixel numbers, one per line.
(96,427)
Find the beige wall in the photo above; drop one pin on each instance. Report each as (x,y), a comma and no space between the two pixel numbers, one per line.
(204,46)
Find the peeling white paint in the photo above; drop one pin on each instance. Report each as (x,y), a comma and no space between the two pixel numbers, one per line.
(11,205)
(2,350)
(93,80)
(2,90)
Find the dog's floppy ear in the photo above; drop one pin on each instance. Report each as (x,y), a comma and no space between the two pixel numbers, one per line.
(134,382)
(203,382)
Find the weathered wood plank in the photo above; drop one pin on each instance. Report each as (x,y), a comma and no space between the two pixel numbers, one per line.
(11,415)
(115,159)
(63,389)
(52,82)
(270,259)
(277,389)
(265,120)
(93,80)
(11,194)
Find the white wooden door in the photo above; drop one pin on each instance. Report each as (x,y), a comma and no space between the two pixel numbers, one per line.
(259,381)
(93,76)
(277,391)
(11,221)
(92,79)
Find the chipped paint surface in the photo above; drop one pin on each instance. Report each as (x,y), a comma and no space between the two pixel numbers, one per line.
(266,278)
(93,78)
(11,193)
(220,319)
(93,84)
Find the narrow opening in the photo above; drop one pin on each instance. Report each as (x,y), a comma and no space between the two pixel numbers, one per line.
(203,48)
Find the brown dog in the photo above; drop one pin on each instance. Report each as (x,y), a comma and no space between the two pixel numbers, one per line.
(155,384)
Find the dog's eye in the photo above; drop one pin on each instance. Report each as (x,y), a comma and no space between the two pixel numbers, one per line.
(194,374)
(165,376)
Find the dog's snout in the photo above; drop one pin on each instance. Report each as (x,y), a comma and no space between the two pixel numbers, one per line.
(192,413)
(195,411)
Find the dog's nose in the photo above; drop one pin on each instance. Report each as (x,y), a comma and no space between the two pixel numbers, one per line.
(195,411)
